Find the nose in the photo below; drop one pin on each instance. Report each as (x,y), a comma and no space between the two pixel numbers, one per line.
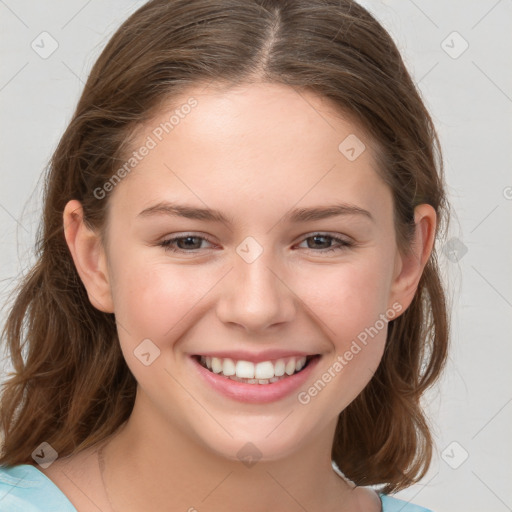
(255,296)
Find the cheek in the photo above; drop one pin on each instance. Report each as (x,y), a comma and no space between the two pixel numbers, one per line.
(150,299)
(347,298)
(155,302)
(350,303)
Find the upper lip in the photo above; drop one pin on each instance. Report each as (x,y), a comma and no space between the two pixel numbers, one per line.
(266,355)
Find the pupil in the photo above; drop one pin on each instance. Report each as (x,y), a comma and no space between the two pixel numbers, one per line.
(187,239)
(326,243)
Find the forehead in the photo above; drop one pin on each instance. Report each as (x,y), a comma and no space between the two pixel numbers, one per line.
(261,115)
(256,142)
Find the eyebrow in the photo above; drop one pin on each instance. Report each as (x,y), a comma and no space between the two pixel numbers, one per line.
(296,215)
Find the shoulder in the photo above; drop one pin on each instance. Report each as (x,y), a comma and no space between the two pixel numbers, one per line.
(390,504)
(23,488)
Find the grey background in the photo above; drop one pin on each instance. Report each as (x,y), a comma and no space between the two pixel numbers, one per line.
(469,94)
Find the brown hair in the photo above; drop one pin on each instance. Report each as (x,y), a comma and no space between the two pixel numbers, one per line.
(71,386)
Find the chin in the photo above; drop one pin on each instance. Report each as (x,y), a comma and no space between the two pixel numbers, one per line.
(271,439)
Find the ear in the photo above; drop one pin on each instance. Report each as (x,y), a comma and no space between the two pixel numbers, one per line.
(89,256)
(409,267)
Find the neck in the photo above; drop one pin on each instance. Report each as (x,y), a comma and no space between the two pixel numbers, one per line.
(154,463)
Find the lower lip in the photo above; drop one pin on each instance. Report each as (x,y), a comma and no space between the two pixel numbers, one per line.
(256,393)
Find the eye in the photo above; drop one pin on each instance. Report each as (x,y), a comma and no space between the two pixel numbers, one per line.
(316,242)
(184,243)
(322,243)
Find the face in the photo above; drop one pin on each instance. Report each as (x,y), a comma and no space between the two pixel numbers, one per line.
(251,231)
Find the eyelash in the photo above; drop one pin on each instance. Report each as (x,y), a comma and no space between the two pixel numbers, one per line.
(342,244)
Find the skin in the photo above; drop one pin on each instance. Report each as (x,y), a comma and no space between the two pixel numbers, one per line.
(254,152)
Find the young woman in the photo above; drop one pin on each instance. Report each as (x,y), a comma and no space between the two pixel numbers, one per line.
(236,303)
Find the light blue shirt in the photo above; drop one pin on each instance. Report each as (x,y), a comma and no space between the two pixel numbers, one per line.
(24,488)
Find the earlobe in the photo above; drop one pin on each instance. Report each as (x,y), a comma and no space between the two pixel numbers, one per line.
(89,256)
(409,267)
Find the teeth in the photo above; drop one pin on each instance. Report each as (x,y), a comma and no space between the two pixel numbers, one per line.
(299,364)
(263,372)
(228,368)
(244,370)
(279,368)
(216,365)
(290,367)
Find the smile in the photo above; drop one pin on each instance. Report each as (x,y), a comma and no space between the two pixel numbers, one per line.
(263,372)
(263,380)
